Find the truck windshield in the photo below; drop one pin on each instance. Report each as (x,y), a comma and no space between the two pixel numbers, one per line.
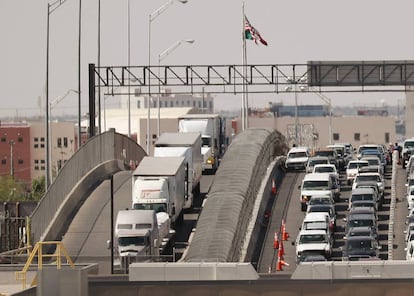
(133,240)
(206,141)
(157,207)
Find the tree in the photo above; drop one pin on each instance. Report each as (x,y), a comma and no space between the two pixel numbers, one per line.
(38,189)
(11,189)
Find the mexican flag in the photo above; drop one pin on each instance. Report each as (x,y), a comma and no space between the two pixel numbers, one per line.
(251,33)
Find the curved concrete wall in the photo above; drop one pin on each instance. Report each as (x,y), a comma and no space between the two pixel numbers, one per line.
(101,157)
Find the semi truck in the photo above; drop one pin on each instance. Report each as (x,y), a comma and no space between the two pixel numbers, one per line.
(187,145)
(142,235)
(212,130)
(159,184)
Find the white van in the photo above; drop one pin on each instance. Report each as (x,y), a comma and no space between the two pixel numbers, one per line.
(316,184)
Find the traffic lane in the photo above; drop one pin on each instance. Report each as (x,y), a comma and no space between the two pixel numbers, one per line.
(185,229)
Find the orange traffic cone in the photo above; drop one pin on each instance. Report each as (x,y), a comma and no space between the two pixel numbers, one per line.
(285,234)
(274,189)
(281,250)
(275,241)
(280,263)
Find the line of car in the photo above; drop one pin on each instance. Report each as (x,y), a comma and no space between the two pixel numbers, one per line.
(321,189)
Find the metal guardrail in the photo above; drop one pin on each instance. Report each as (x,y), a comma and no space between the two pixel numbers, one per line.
(38,251)
(392,205)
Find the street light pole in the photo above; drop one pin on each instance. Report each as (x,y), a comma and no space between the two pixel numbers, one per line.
(50,8)
(328,101)
(152,17)
(161,56)
(129,75)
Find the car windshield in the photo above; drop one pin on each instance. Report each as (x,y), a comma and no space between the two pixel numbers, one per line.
(133,240)
(324,169)
(320,201)
(356,165)
(375,178)
(360,233)
(409,144)
(315,185)
(312,238)
(316,209)
(297,154)
(313,162)
(324,153)
(355,197)
(361,222)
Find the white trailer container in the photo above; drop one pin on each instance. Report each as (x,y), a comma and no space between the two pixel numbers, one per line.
(158,184)
(187,145)
(141,235)
(212,131)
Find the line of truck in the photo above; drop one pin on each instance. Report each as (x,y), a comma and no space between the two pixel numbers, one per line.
(164,185)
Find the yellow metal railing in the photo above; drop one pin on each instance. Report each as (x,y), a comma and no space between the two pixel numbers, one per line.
(38,251)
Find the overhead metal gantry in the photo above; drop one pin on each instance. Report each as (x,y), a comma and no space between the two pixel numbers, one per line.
(314,76)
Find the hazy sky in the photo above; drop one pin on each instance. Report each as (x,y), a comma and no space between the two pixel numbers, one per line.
(297,32)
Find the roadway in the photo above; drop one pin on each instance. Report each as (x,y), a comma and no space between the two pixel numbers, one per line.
(87,235)
(287,207)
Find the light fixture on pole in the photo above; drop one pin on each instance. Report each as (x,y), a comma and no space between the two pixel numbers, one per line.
(295,82)
(49,126)
(152,17)
(161,56)
(50,8)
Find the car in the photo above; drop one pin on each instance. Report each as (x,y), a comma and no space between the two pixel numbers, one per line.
(340,150)
(328,152)
(410,197)
(375,153)
(359,248)
(330,169)
(315,241)
(410,182)
(374,161)
(318,221)
(362,194)
(364,147)
(312,256)
(377,177)
(358,220)
(363,210)
(364,204)
(353,168)
(407,151)
(314,160)
(330,209)
(315,184)
(408,231)
(409,251)
(410,166)
(359,231)
(297,158)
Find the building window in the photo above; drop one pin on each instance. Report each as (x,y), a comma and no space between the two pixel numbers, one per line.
(36,145)
(42,139)
(42,168)
(188,103)
(42,161)
(36,161)
(199,104)
(3,139)
(139,104)
(194,103)
(3,161)
(36,139)
(210,105)
(357,137)
(42,145)
(59,164)
(171,104)
(20,161)
(65,142)
(36,168)
(59,142)
(335,136)
(20,139)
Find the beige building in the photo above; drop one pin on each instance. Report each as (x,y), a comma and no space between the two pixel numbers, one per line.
(315,133)
(62,146)
(118,119)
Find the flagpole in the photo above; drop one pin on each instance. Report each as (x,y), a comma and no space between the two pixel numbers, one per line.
(243,103)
